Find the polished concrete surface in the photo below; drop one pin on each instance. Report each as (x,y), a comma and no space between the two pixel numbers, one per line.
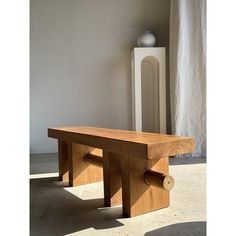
(56,209)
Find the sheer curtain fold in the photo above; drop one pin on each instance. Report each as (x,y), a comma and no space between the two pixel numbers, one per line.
(188,71)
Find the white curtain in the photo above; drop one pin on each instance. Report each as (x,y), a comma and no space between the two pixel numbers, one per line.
(188,71)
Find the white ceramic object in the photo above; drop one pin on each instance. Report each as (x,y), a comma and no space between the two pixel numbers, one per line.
(147,39)
(138,55)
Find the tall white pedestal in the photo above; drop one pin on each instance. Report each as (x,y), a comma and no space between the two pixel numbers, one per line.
(149,89)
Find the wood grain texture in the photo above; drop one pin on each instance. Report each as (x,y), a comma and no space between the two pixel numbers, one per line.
(141,144)
(80,172)
(63,160)
(138,197)
(112,179)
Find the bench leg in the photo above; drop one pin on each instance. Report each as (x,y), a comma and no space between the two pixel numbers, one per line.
(63,160)
(80,172)
(112,179)
(138,197)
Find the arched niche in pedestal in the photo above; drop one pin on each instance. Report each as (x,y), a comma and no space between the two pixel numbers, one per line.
(149,94)
(149,90)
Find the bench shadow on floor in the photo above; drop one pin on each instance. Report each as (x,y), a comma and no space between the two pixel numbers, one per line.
(196,228)
(55,211)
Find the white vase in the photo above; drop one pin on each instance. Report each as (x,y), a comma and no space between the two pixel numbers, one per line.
(147,39)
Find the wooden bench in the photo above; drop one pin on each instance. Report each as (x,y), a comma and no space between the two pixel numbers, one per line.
(135,165)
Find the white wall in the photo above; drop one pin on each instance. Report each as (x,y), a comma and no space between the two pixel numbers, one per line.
(80,62)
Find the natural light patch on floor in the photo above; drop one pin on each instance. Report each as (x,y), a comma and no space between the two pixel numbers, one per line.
(88,191)
(44,175)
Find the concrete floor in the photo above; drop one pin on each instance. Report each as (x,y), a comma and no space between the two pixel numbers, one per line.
(56,209)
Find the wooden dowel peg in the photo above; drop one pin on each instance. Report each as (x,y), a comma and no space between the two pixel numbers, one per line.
(94,160)
(159,180)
